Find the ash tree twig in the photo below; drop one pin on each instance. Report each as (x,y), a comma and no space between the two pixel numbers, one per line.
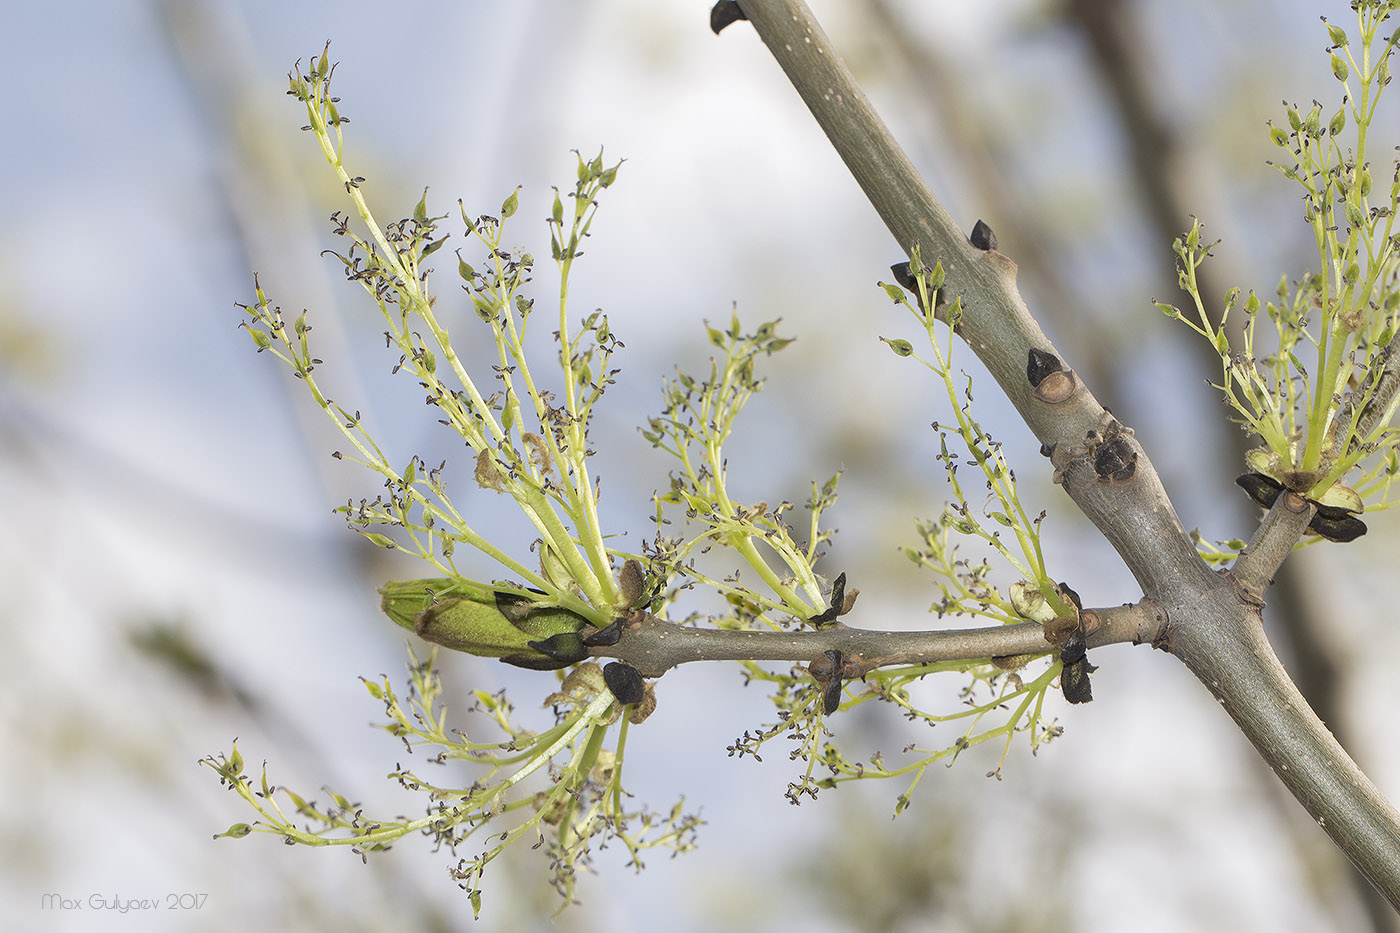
(1212,623)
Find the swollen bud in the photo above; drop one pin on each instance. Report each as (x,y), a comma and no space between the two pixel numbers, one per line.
(498,624)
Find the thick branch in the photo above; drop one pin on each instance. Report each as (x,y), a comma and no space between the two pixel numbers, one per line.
(1241,670)
(654,646)
(1136,515)
(1213,623)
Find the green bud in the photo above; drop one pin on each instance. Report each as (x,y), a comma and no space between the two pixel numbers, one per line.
(1337,35)
(1339,67)
(900,347)
(496,624)
(1339,121)
(1279,137)
(1294,121)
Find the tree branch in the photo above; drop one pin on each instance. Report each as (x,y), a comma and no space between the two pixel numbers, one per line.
(654,646)
(1273,541)
(1212,621)
(1136,515)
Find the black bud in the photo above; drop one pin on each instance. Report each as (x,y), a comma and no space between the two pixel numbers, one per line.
(838,602)
(982,236)
(605,637)
(1074,650)
(1115,461)
(1261,488)
(1074,682)
(826,671)
(1040,364)
(625,682)
(1347,528)
(831,697)
(723,13)
(904,277)
(1334,513)
(1074,676)
(565,648)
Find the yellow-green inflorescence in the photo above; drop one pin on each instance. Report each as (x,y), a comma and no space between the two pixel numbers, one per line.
(562,785)
(1311,371)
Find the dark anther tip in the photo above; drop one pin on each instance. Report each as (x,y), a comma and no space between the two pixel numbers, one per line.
(1040,364)
(982,236)
(723,13)
(625,682)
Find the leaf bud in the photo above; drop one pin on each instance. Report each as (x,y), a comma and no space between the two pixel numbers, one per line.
(982,236)
(724,13)
(497,624)
(1039,364)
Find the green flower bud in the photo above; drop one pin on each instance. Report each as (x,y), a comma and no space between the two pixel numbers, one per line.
(497,624)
